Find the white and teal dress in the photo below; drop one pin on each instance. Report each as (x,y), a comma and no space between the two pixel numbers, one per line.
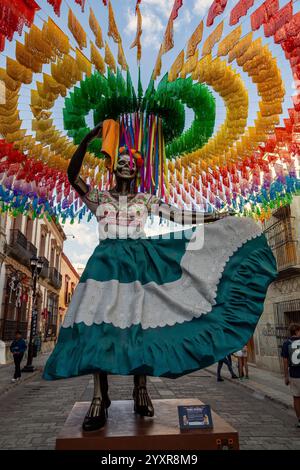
(162,306)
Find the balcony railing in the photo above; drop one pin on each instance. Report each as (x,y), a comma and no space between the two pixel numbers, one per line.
(31,249)
(9,328)
(282,240)
(55,278)
(45,269)
(20,248)
(18,238)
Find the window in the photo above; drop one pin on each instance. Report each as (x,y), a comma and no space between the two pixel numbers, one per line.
(52,315)
(52,257)
(42,244)
(57,261)
(17,224)
(29,229)
(16,307)
(281,237)
(67,289)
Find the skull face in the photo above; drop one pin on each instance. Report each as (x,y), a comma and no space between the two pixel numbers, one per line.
(123,169)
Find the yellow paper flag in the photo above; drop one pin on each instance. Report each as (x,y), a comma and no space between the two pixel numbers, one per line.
(109,58)
(112,26)
(176,67)
(229,41)
(212,39)
(194,40)
(96,28)
(97,59)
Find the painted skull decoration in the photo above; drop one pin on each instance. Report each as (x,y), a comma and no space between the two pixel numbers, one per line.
(123,169)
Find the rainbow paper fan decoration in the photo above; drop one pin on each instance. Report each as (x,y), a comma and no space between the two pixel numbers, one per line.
(249,168)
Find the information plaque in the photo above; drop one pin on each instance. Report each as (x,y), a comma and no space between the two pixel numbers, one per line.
(195,417)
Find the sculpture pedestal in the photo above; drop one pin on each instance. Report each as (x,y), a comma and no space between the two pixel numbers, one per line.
(126,431)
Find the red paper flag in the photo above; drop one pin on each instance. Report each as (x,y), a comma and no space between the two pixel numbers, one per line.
(291,29)
(217,8)
(81,3)
(2,42)
(14,15)
(240,9)
(258,17)
(279,19)
(177,5)
(271,7)
(264,13)
(291,44)
(56,6)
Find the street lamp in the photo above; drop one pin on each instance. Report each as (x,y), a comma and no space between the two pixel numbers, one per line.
(36,265)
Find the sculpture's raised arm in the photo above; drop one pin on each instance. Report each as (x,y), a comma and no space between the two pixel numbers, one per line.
(77,159)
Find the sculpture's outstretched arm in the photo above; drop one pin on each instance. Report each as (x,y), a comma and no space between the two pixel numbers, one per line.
(186,217)
(77,159)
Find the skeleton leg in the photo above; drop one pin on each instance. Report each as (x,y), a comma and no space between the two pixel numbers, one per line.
(142,401)
(97,413)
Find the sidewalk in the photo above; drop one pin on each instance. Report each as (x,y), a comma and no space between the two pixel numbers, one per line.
(7,371)
(263,383)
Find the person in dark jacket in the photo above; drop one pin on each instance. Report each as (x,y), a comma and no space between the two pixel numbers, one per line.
(291,361)
(18,348)
(228,362)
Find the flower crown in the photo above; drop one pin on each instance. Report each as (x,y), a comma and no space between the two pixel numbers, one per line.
(135,153)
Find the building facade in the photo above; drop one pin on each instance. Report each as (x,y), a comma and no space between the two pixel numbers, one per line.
(70,279)
(282,305)
(24,238)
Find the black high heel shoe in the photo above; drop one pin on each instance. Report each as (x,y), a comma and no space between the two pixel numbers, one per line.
(97,415)
(142,402)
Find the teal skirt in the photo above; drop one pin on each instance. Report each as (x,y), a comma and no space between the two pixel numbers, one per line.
(161,307)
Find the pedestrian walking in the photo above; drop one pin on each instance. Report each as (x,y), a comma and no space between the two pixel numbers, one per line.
(228,362)
(18,348)
(291,360)
(242,356)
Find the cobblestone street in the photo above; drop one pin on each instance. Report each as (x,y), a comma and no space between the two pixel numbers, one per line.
(33,412)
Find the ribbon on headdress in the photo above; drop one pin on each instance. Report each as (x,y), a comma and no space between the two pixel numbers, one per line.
(110,141)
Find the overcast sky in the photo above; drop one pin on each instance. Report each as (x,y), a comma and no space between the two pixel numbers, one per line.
(155,16)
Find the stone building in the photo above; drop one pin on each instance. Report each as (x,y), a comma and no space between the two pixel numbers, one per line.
(70,279)
(25,238)
(282,305)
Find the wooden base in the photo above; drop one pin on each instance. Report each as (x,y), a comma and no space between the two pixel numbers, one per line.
(126,431)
